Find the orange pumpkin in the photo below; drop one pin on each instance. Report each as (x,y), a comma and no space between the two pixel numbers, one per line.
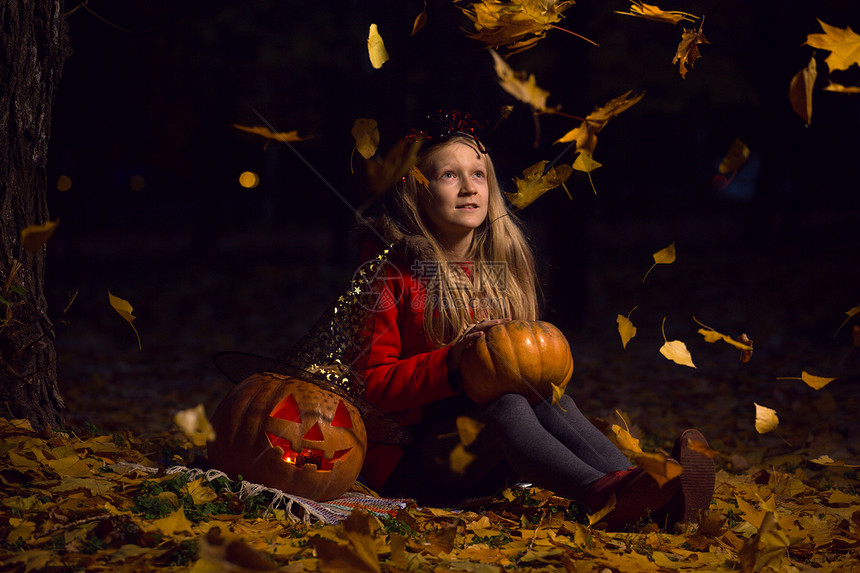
(519,356)
(289,434)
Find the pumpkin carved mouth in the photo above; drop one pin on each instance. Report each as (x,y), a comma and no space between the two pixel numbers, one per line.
(311,456)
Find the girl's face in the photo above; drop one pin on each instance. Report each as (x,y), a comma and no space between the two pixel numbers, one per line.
(457,202)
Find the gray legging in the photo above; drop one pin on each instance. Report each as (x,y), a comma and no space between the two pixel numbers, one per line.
(551,446)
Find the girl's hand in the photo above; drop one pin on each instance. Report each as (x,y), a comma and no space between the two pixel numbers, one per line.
(474,332)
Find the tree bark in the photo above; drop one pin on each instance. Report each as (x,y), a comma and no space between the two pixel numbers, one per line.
(33,47)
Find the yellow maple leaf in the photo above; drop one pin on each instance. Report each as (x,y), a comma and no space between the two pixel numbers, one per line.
(269,134)
(675,350)
(519,84)
(625,328)
(650,12)
(366,134)
(376,47)
(34,236)
(688,48)
(123,307)
(516,24)
(815,382)
(624,439)
(535,183)
(766,419)
(842,43)
(658,466)
(665,256)
(800,91)
(585,134)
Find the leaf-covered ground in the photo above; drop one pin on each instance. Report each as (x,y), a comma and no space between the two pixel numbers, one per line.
(70,504)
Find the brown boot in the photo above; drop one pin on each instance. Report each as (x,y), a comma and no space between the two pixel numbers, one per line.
(637,496)
(697,482)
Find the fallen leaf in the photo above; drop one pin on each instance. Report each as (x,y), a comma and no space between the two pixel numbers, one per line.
(842,43)
(688,48)
(766,419)
(366,135)
(585,135)
(125,310)
(826,460)
(676,351)
(520,85)
(768,548)
(535,183)
(800,91)
(625,328)
(269,134)
(664,256)
(649,12)
(33,237)
(376,48)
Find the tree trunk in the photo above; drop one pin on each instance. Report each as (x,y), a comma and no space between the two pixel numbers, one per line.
(33,47)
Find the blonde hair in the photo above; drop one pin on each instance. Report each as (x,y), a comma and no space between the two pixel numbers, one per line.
(503,279)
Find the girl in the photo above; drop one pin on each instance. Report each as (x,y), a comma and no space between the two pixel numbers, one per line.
(459,264)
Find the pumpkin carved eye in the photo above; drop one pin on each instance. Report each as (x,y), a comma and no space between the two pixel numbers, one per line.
(288,409)
(341,418)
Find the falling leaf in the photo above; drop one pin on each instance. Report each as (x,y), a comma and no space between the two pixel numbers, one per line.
(535,183)
(397,162)
(766,419)
(195,425)
(851,313)
(676,351)
(518,84)
(839,88)
(468,429)
(649,12)
(585,135)
(746,355)
(624,439)
(269,134)
(735,158)
(584,162)
(125,310)
(366,135)
(34,236)
(625,328)
(800,91)
(664,256)
(376,48)
(842,43)
(419,177)
(688,48)
(815,382)
(517,25)
(658,466)
(700,447)
(459,459)
(420,20)
(712,336)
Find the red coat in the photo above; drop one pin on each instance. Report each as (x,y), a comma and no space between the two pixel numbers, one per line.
(404,370)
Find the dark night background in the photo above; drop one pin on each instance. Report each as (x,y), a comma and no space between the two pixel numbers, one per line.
(211,266)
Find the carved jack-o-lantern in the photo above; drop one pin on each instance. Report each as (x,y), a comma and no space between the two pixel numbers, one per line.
(289,434)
